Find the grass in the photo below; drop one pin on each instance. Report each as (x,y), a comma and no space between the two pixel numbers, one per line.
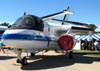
(87,52)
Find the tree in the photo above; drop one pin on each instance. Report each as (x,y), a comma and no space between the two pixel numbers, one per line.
(4,24)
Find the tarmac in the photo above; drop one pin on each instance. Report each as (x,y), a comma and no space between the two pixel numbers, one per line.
(49,61)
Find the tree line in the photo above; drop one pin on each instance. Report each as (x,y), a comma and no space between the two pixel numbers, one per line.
(5,24)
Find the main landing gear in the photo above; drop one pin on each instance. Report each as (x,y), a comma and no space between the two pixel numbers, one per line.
(32,54)
(69,54)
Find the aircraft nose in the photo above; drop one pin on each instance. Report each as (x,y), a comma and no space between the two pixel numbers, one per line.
(8,40)
(12,38)
(4,38)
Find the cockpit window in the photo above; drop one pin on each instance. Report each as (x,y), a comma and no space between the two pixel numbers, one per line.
(28,22)
(17,23)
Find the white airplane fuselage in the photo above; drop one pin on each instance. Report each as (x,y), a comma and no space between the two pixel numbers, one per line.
(32,39)
(32,32)
(24,39)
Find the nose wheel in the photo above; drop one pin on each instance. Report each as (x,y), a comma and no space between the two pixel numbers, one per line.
(32,54)
(23,61)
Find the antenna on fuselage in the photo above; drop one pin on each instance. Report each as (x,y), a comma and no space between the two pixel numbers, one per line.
(24,13)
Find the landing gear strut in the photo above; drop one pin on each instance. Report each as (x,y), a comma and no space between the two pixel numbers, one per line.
(23,60)
(70,54)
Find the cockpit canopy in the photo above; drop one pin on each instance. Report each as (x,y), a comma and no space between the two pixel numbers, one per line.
(28,22)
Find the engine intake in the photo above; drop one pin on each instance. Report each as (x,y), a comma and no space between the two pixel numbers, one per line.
(66,42)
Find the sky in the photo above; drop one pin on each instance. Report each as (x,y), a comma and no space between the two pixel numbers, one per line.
(87,11)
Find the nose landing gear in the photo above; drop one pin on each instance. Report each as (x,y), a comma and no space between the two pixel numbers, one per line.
(23,60)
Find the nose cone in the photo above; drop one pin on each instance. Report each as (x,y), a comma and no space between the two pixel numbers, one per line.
(7,38)
(4,39)
(16,38)
(11,40)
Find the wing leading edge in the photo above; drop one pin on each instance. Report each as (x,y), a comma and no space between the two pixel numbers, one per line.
(52,16)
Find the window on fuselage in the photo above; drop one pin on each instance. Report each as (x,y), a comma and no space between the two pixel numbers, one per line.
(29,22)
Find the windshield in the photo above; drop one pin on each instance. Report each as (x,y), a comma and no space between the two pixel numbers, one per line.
(28,22)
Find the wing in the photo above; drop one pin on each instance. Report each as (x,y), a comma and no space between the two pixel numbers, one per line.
(73,29)
(62,29)
(77,30)
(81,28)
(52,16)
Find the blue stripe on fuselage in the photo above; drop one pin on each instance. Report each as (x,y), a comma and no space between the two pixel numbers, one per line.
(25,37)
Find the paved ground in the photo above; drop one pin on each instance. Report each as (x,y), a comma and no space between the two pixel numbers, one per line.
(50,61)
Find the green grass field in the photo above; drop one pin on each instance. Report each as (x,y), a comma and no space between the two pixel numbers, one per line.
(87,52)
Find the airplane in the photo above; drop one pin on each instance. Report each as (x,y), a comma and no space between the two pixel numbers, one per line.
(2,29)
(33,34)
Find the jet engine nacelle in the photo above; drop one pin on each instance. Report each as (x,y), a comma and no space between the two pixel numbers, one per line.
(66,42)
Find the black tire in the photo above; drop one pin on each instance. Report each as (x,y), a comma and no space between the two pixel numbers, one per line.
(18,61)
(24,61)
(70,55)
(32,54)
